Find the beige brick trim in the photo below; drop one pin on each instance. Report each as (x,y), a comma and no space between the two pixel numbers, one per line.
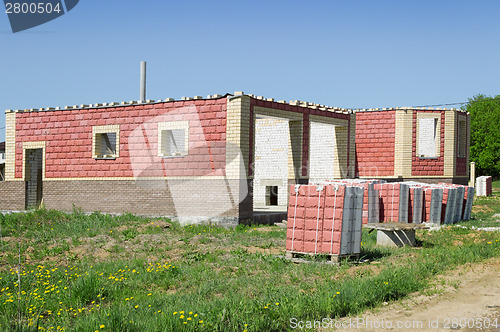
(103,130)
(403,143)
(450,148)
(33,145)
(10,146)
(237,137)
(352,147)
(277,113)
(131,178)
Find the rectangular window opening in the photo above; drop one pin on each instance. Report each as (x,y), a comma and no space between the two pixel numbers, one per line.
(106,142)
(428,138)
(173,142)
(173,139)
(462,139)
(272,195)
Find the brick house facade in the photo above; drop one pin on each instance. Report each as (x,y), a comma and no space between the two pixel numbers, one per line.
(218,158)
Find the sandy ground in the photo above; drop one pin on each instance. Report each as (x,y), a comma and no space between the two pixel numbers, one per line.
(467,296)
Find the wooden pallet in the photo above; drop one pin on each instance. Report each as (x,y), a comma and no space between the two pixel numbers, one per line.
(306,257)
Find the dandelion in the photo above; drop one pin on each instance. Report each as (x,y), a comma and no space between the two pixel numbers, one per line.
(102,326)
(277,303)
(201,322)
(190,312)
(181,317)
(137,306)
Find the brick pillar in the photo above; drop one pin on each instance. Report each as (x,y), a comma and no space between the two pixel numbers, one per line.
(238,149)
(403,143)
(10,145)
(305,146)
(450,143)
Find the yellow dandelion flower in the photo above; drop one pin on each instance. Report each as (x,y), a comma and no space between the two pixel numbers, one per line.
(201,322)
(181,317)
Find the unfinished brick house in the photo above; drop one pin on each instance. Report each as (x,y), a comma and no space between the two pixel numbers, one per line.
(224,159)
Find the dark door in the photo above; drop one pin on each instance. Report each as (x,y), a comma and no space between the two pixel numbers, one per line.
(33,177)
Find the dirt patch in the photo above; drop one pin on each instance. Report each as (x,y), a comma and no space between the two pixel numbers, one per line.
(481,208)
(154,223)
(270,251)
(470,293)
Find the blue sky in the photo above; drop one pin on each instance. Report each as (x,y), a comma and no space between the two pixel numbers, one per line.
(362,54)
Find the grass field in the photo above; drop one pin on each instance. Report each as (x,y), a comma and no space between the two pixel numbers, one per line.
(98,272)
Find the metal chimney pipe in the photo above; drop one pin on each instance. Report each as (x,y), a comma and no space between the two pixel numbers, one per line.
(143,81)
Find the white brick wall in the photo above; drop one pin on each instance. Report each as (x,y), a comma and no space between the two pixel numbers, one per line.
(427,136)
(271,159)
(321,151)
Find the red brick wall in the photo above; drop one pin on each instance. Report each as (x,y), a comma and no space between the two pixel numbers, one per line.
(461,162)
(68,136)
(375,139)
(421,166)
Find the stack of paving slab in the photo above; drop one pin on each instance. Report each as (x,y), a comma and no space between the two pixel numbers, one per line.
(325,219)
(443,203)
(371,197)
(484,186)
(411,202)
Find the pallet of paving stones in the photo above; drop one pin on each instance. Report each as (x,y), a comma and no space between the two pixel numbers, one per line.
(300,257)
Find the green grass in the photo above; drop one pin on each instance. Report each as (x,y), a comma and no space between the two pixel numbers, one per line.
(485,208)
(125,273)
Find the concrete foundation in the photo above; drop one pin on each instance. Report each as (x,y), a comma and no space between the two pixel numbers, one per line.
(396,238)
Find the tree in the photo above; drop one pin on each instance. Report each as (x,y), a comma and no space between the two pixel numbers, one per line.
(485,134)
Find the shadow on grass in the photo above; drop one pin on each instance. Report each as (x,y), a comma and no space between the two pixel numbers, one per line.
(374,253)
